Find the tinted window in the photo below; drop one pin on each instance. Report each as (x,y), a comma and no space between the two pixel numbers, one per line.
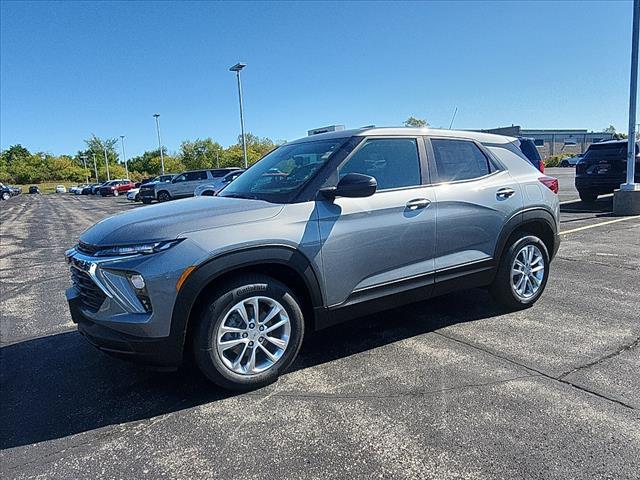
(459,160)
(192,176)
(394,163)
(219,173)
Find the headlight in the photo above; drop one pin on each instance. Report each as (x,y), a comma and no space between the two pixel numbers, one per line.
(142,249)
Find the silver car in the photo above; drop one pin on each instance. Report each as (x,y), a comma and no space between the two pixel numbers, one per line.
(322,229)
(184,184)
(212,188)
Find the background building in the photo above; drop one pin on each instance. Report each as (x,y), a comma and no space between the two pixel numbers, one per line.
(555,141)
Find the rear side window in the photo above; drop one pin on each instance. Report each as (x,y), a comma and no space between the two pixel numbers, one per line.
(607,150)
(529,149)
(393,162)
(459,160)
(191,176)
(218,173)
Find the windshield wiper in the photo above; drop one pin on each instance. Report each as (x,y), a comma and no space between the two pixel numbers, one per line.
(241,195)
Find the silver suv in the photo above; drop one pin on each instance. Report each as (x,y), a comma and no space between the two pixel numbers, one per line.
(184,184)
(322,229)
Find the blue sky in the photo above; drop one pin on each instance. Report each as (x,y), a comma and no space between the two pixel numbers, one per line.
(70,69)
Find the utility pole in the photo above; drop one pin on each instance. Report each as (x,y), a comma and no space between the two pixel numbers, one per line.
(95,167)
(157,117)
(236,68)
(124,156)
(86,173)
(106,162)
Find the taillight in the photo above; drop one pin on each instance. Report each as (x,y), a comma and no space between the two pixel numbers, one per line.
(541,166)
(550,182)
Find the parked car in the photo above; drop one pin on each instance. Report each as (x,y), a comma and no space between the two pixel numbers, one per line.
(78,190)
(95,190)
(571,161)
(603,168)
(34,189)
(88,189)
(211,189)
(147,188)
(134,194)
(5,192)
(60,189)
(184,184)
(116,187)
(346,228)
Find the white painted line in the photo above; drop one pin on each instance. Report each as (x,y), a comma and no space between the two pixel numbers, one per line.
(601,224)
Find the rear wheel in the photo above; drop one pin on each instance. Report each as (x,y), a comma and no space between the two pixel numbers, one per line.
(164,196)
(588,195)
(249,333)
(522,274)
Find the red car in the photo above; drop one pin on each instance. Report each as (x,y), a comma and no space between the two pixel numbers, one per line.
(116,187)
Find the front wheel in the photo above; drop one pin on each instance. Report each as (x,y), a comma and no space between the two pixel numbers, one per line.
(164,196)
(6,195)
(587,196)
(522,274)
(564,163)
(249,333)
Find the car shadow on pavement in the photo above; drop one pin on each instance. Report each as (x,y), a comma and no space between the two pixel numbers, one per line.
(59,385)
(602,207)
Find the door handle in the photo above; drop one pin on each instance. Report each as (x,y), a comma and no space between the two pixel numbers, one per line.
(505,193)
(418,203)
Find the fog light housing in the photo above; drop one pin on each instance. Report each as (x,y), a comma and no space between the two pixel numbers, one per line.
(137,281)
(140,289)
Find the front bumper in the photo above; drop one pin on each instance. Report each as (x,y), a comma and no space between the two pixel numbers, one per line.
(165,353)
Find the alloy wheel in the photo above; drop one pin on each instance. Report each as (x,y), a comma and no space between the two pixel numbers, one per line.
(253,335)
(527,272)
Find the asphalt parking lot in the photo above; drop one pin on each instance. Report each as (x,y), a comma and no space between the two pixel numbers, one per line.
(448,388)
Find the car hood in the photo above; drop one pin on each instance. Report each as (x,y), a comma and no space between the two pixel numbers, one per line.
(167,221)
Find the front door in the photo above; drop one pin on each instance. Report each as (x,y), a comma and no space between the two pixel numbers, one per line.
(386,242)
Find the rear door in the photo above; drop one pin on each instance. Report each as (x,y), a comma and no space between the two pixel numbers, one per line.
(475,197)
(383,243)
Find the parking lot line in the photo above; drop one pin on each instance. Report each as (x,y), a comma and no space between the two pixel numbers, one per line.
(577,200)
(601,224)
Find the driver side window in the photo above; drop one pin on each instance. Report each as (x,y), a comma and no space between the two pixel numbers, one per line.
(393,162)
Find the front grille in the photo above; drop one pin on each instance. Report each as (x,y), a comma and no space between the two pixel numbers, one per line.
(92,296)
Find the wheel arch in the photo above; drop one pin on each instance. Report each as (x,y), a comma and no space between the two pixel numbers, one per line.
(538,221)
(286,264)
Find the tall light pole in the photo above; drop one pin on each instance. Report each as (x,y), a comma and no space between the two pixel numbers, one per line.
(157,117)
(126,167)
(84,162)
(95,167)
(236,68)
(633,95)
(106,162)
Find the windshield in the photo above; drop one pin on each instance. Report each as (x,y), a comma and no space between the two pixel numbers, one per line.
(281,174)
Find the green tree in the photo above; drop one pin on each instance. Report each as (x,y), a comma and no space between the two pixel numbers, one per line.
(415,122)
(609,129)
(200,153)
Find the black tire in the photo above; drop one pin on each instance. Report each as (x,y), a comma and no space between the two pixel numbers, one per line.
(146,201)
(587,196)
(222,300)
(164,196)
(502,289)
(564,163)
(6,195)
(136,198)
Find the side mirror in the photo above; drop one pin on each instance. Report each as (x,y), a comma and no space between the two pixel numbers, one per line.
(353,185)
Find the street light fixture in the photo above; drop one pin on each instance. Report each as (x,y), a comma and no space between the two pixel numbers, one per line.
(157,117)
(126,167)
(84,162)
(236,68)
